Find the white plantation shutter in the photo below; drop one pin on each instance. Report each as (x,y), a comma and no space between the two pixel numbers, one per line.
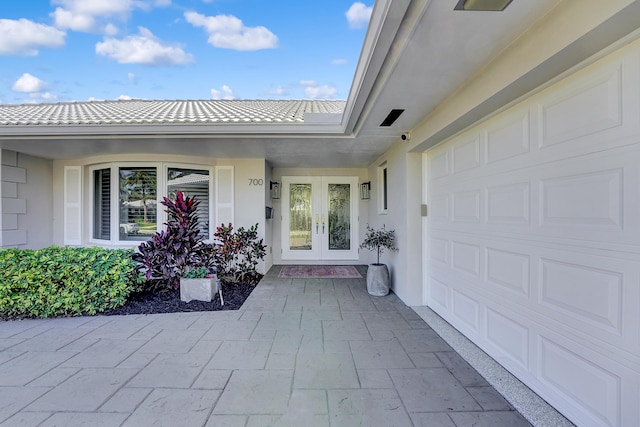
(224,195)
(73,205)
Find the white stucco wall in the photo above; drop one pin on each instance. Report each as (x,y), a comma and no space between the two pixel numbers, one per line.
(404,197)
(37,191)
(249,199)
(25,201)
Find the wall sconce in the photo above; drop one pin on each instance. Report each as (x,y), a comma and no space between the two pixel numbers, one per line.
(275,189)
(365,190)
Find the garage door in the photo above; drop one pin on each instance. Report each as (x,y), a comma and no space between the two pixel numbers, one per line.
(533,239)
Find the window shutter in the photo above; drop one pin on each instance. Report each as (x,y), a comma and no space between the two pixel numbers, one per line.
(73,205)
(224,195)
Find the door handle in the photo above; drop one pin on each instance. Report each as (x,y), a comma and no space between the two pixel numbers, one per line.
(317,225)
(323,224)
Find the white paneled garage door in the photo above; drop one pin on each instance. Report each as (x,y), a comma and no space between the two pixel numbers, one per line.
(533,239)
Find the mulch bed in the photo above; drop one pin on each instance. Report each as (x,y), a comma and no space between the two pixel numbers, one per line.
(169,302)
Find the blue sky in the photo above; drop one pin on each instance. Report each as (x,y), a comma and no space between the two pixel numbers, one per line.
(79,50)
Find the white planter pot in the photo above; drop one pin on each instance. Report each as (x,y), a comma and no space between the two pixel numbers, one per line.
(200,289)
(378,282)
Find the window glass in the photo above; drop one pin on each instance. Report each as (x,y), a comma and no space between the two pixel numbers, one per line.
(102,204)
(138,207)
(192,182)
(384,188)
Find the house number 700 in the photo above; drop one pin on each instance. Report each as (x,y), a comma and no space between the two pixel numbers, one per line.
(256,181)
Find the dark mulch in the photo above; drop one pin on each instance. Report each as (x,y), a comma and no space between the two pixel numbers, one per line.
(169,302)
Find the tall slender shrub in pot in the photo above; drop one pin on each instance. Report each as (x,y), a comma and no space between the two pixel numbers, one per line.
(378,281)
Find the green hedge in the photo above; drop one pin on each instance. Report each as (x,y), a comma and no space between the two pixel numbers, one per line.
(59,281)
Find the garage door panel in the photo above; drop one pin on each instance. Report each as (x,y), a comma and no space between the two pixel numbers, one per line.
(466,206)
(591,104)
(509,204)
(508,269)
(533,239)
(510,338)
(508,137)
(466,154)
(594,388)
(588,200)
(593,295)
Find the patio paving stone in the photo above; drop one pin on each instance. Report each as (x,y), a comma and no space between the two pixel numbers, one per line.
(174,407)
(241,355)
(312,352)
(325,371)
(13,399)
(85,391)
(256,392)
(171,371)
(29,366)
(432,390)
(380,354)
(26,419)
(83,419)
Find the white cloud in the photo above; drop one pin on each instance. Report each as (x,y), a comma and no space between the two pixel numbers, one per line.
(144,48)
(93,15)
(228,32)
(308,83)
(44,96)
(24,37)
(225,93)
(110,29)
(339,61)
(320,92)
(28,83)
(124,98)
(358,15)
(278,91)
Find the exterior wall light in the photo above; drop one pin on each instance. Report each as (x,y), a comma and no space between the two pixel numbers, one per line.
(275,189)
(365,190)
(483,5)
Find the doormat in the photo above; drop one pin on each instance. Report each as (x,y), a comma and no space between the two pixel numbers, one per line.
(319,272)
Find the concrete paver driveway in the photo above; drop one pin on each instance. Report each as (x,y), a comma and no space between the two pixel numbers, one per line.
(312,352)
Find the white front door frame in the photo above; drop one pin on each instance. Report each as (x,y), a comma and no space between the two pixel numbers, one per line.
(319,239)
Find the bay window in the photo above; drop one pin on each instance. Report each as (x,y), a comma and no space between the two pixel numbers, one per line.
(126,199)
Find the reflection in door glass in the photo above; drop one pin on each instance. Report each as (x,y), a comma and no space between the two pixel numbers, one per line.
(339,217)
(300,217)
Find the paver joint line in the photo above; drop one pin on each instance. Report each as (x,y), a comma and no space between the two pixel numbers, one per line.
(318,351)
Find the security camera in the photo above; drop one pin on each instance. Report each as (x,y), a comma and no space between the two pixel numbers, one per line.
(406,136)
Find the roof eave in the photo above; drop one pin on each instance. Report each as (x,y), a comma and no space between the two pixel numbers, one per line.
(210,130)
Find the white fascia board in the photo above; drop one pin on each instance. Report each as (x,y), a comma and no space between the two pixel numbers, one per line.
(227,130)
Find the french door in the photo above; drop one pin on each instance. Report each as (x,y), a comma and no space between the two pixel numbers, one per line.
(319,218)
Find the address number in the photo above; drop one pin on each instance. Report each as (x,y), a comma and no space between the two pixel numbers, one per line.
(256,181)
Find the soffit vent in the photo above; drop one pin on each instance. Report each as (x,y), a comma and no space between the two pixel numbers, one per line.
(483,5)
(391,118)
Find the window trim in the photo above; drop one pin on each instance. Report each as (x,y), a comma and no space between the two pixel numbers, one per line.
(162,171)
(383,190)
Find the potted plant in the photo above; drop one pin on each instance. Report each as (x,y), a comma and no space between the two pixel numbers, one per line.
(201,284)
(378,282)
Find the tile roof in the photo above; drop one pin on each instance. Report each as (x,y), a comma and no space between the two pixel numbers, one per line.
(140,112)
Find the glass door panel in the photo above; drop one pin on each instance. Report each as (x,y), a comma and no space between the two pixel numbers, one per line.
(339,217)
(319,218)
(300,216)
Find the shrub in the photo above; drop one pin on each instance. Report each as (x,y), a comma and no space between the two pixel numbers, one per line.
(237,254)
(67,281)
(169,254)
(379,240)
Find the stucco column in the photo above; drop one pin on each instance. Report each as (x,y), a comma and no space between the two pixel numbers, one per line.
(11,206)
